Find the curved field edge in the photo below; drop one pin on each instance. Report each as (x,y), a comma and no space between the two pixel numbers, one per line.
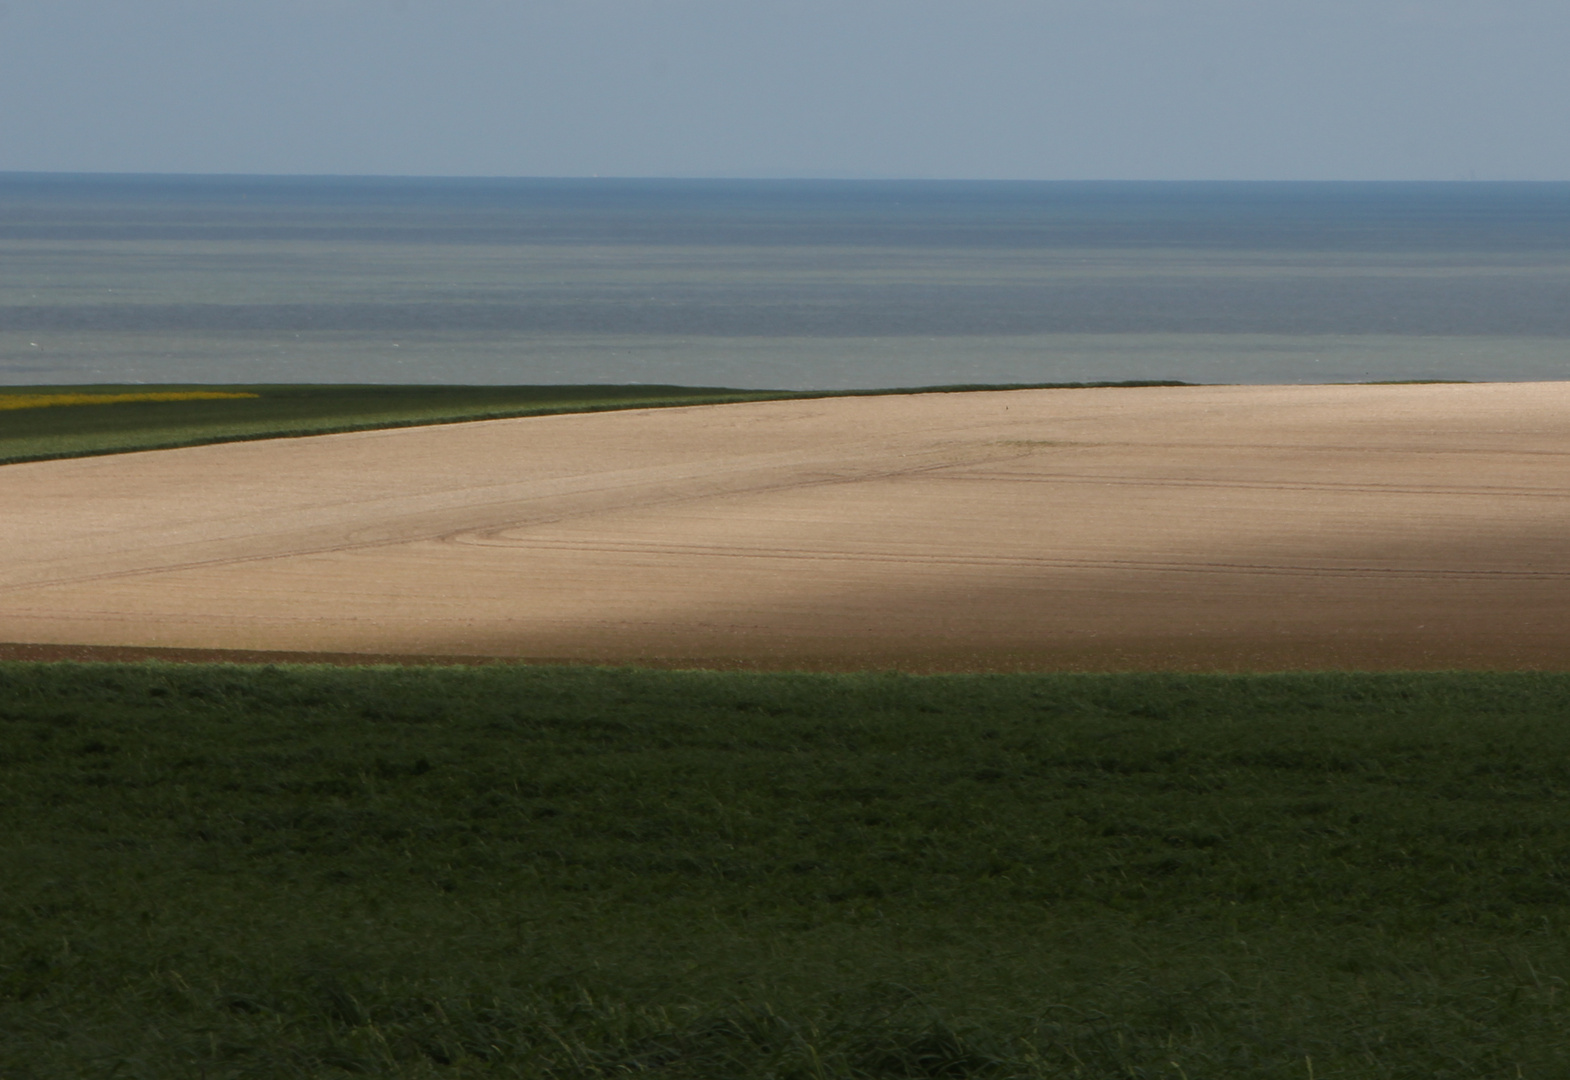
(296,410)
(217,870)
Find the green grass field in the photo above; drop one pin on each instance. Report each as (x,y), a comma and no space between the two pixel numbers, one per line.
(279,411)
(282,411)
(212,871)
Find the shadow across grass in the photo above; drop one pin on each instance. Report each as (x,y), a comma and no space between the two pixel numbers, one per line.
(226,871)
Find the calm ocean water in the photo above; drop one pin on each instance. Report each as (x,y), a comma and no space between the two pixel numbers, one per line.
(776,284)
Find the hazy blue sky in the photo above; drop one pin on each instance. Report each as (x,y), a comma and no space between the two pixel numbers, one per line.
(1045,89)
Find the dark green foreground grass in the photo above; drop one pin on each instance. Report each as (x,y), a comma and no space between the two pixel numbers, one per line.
(535,872)
(281,411)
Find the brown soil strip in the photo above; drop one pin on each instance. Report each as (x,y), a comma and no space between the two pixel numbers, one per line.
(1183,528)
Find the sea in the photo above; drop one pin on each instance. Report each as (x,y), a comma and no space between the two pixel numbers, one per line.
(776,284)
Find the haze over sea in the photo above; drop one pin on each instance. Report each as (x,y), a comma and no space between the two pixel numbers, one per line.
(777,284)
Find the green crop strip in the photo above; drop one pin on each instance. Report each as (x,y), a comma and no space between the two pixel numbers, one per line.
(270,412)
(225,871)
(165,417)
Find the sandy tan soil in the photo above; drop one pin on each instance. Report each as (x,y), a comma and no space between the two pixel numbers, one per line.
(1187,528)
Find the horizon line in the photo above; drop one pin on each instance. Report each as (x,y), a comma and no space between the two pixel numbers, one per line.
(735,179)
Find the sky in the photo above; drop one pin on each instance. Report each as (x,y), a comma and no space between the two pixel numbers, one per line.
(958,89)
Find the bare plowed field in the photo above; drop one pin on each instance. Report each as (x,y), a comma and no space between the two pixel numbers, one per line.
(1176,528)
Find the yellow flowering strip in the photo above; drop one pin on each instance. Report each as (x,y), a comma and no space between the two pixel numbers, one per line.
(43,401)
